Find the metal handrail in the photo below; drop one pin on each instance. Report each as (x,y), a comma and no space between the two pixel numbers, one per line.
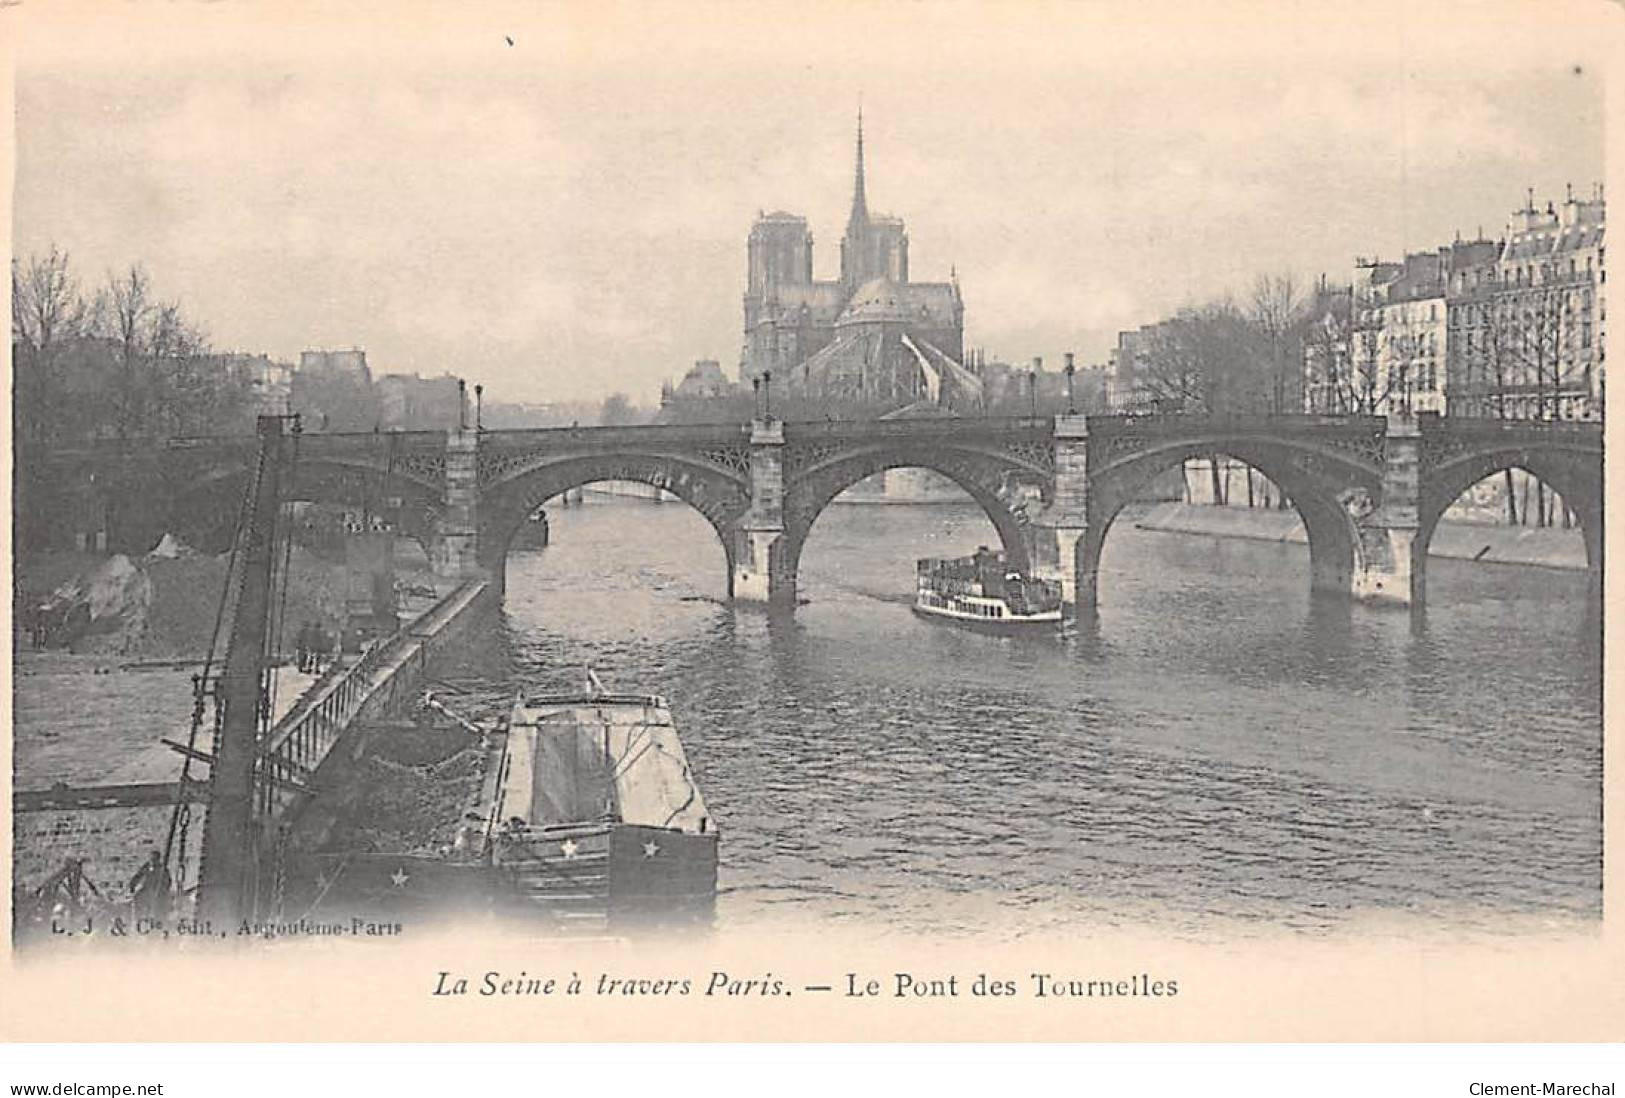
(302,739)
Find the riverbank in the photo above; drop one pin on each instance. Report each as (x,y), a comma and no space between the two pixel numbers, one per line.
(1520,545)
(175,619)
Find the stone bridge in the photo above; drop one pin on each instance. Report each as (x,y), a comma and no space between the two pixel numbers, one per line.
(1370,490)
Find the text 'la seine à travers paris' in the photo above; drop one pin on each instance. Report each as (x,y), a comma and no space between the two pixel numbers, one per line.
(851,985)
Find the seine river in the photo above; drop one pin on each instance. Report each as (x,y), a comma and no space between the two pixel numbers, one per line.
(1219,749)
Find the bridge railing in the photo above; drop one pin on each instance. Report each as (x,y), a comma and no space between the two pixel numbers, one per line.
(632,433)
(1494,427)
(301,741)
(811,430)
(1178,422)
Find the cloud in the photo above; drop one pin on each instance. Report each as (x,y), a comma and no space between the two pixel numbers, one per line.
(567,217)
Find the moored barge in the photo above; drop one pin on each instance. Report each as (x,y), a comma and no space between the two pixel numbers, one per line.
(594,814)
(585,819)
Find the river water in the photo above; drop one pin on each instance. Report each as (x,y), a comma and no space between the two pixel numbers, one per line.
(1220,749)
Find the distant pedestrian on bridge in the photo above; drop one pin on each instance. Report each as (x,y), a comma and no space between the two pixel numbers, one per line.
(304,646)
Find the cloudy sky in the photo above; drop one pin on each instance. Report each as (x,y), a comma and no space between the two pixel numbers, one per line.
(565,216)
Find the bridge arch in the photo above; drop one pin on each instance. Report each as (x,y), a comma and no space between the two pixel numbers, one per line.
(994,481)
(1330,487)
(507,501)
(204,509)
(1574,472)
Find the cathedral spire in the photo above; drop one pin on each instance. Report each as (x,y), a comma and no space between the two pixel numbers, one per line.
(860,204)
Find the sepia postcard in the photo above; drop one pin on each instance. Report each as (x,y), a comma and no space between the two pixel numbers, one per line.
(810,522)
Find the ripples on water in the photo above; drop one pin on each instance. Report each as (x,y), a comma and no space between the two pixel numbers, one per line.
(1220,747)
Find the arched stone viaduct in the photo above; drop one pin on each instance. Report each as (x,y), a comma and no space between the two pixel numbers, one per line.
(1370,490)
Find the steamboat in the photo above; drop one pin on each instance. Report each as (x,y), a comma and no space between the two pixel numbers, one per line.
(983,591)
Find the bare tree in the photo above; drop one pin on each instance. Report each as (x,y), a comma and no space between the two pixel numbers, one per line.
(1170,368)
(1492,362)
(1370,384)
(1521,360)
(130,306)
(1528,357)
(47,309)
(1277,311)
(190,393)
(1205,360)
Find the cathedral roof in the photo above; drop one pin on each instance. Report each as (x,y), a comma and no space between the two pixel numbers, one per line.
(879,299)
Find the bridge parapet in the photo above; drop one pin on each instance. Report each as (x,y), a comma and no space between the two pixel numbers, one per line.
(934,427)
(632,436)
(1583,432)
(1180,423)
(1449,439)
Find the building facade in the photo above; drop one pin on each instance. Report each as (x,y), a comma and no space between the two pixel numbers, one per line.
(1512,328)
(1528,317)
(1328,373)
(704,395)
(411,403)
(1398,321)
(271,381)
(333,391)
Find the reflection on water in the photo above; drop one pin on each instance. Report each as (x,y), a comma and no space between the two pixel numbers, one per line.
(1217,745)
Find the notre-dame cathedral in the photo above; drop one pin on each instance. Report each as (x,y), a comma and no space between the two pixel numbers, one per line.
(871,337)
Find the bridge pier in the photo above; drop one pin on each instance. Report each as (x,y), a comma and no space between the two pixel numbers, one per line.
(1060,549)
(755,572)
(456,539)
(1387,568)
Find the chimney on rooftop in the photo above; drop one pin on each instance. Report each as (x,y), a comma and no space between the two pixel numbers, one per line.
(1571,210)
